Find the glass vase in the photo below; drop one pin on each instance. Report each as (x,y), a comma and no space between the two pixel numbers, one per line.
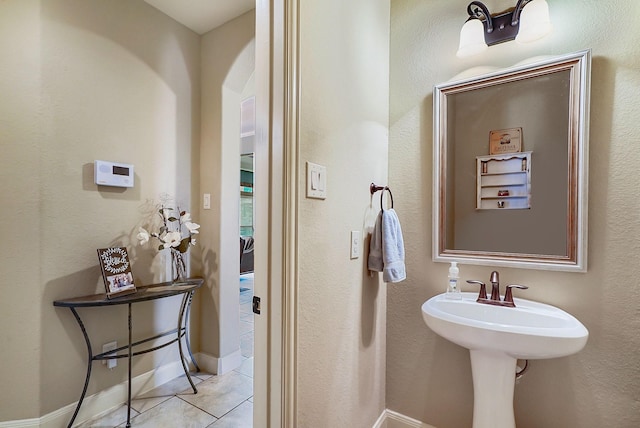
(178,268)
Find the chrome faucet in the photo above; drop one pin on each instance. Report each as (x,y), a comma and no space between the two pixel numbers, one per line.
(495,291)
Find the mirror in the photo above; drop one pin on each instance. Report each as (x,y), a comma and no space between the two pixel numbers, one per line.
(510,166)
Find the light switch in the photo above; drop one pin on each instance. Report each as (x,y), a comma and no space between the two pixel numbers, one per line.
(206,201)
(316,181)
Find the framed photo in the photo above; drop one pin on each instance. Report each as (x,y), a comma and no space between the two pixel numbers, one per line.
(505,141)
(116,271)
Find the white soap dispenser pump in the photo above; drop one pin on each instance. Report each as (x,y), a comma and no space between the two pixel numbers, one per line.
(453,289)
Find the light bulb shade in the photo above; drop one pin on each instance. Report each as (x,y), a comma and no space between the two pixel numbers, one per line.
(471,39)
(534,22)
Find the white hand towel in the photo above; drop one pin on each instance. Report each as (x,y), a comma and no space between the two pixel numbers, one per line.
(392,248)
(375,247)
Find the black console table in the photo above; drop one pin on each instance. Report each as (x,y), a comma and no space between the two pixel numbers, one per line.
(142,294)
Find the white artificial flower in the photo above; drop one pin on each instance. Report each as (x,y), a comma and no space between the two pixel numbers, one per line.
(171,219)
(143,236)
(193,227)
(172,239)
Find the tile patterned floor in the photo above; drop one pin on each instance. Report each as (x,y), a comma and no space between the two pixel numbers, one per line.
(224,401)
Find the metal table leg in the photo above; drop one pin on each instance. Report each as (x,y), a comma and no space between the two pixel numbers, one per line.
(182,330)
(89,361)
(129,348)
(186,331)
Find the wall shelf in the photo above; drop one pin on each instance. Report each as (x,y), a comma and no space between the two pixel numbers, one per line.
(503,181)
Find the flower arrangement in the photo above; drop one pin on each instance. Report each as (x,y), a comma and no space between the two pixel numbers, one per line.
(176,232)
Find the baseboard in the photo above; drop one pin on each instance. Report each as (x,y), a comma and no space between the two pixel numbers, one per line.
(102,402)
(109,399)
(24,423)
(391,419)
(210,364)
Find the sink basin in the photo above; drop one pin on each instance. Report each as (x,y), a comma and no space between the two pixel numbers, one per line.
(531,330)
(497,337)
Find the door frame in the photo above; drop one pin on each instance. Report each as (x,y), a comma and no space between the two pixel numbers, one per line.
(277,177)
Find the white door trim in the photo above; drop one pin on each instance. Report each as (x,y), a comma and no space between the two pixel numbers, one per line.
(291,176)
(277,84)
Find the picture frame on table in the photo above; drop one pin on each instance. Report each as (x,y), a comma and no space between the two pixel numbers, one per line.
(116,271)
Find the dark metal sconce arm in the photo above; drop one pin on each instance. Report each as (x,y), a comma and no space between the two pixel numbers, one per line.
(500,27)
(477,10)
(480,11)
(515,18)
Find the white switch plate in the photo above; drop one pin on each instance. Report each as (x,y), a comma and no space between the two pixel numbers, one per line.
(206,201)
(355,244)
(316,181)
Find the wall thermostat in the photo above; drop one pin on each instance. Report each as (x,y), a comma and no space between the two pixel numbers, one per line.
(113,174)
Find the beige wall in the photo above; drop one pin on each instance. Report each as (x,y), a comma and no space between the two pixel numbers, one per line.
(80,81)
(428,378)
(20,139)
(228,62)
(343,126)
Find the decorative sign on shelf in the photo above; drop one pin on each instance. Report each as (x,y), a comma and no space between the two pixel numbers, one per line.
(116,271)
(505,141)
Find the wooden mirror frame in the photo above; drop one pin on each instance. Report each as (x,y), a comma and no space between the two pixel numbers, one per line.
(579,66)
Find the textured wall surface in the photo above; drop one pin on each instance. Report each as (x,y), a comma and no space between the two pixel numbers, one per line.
(19,198)
(83,81)
(428,378)
(227,64)
(343,126)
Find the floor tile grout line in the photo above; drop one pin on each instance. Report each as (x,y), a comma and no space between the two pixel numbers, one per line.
(211,414)
(200,408)
(154,406)
(187,392)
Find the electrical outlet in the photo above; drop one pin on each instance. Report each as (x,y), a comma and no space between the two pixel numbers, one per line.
(111,346)
(355,244)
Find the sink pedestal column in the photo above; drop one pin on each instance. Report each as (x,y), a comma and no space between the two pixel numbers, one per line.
(493,385)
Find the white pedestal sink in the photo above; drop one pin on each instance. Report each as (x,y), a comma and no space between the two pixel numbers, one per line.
(497,337)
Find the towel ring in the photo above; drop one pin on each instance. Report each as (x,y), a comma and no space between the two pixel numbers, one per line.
(373,188)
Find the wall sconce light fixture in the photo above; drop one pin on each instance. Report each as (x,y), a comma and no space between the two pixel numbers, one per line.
(526,22)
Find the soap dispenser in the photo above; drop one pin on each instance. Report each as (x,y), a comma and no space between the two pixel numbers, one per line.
(453,290)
